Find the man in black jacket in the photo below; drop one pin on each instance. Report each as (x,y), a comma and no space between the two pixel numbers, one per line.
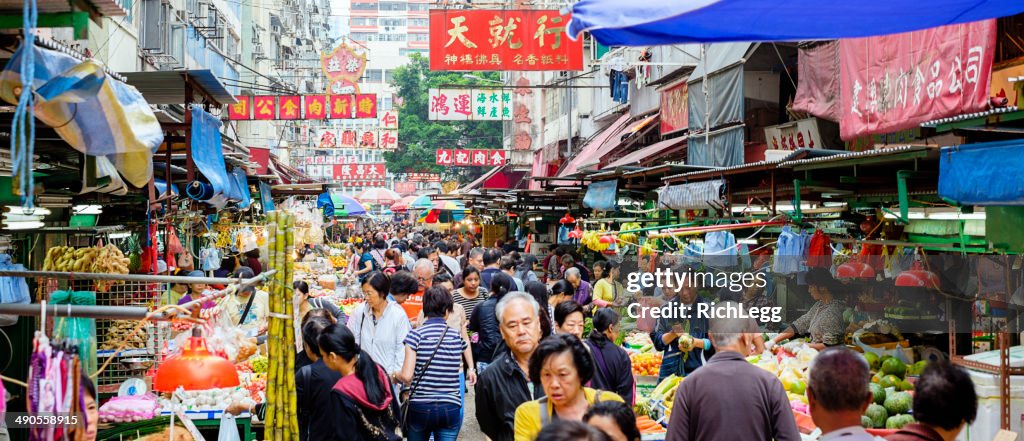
(505,384)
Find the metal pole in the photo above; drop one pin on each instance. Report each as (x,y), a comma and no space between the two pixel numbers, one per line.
(138,277)
(569,141)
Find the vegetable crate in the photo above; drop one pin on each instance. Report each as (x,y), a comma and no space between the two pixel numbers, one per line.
(109,334)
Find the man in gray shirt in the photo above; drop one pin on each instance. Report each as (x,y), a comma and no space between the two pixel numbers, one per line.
(728,398)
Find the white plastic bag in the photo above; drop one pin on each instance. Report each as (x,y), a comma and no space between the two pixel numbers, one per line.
(228,429)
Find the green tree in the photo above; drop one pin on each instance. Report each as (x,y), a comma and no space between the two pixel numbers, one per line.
(419,138)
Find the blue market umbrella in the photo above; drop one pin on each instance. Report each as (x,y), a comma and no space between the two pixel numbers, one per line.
(422,203)
(346,205)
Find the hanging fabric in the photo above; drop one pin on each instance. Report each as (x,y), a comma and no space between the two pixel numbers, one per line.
(12,289)
(720,249)
(819,253)
(788,252)
(82,331)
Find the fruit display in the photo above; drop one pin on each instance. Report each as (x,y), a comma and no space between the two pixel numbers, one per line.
(348,306)
(641,341)
(118,330)
(629,238)
(103,260)
(646,364)
(592,240)
(208,399)
(338,261)
(256,384)
(890,388)
(649,247)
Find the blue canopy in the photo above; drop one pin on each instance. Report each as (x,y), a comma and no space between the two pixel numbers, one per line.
(982,174)
(658,22)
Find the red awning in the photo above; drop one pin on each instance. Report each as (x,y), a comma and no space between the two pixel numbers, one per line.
(648,153)
(605,143)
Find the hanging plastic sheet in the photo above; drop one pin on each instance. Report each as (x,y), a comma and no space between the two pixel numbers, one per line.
(161,187)
(692,196)
(95,114)
(241,188)
(209,157)
(661,22)
(104,175)
(721,149)
(983,174)
(325,203)
(265,197)
(601,196)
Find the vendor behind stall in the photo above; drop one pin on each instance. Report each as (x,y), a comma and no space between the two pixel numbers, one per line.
(684,340)
(176,290)
(824,322)
(248,307)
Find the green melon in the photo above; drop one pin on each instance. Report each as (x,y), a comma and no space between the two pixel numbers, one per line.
(878,392)
(878,415)
(895,367)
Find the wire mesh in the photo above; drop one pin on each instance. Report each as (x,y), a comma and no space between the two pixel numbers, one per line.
(147,344)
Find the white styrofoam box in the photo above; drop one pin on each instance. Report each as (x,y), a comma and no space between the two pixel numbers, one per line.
(992,357)
(986,425)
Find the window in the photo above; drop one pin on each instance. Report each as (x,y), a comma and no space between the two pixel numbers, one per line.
(364,21)
(393,6)
(388,75)
(363,36)
(392,22)
(386,103)
(422,22)
(372,75)
(364,6)
(419,6)
(404,52)
(419,37)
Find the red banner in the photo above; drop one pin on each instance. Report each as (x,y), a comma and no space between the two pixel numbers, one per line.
(240,110)
(368,139)
(487,40)
(478,158)
(341,106)
(444,157)
(261,157)
(674,109)
(359,172)
(388,139)
(291,106)
(405,188)
(896,82)
(366,106)
(266,107)
(462,157)
(315,106)
(348,139)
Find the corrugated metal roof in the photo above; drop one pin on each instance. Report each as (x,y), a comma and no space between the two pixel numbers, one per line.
(843,156)
(106,8)
(967,116)
(168,87)
(801,153)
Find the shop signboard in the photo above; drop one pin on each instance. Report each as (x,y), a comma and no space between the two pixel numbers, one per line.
(423,177)
(470,158)
(304,107)
(896,82)
(794,135)
(389,120)
(405,188)
(359,172)
(496,40)
(674,109)
(470,105)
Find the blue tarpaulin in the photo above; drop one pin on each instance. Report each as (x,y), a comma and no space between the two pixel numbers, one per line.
(325,202)
(601,196)
(659,22)
(208,156)
(241,187)
(983,174)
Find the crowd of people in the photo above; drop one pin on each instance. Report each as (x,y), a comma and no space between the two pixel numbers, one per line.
(446,319)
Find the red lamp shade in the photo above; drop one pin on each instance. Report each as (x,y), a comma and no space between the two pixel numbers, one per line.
(855,269)
(607,239)
(567,219)
(917,277)
(195,369)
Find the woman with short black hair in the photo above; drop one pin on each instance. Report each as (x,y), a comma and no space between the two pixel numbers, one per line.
(539,291)
(569,319)
(613,370)
(433,365)
(562,365)
(944,402)
(362,405)
(615,419)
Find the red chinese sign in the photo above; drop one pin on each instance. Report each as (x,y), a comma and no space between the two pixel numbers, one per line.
(405,188)
(486,40)
(388,139)
(423,177)
(308,107)
(366,106)
(445,157)
(466,158)
(896,82)
(265,107)
(343,68)
(674,109)
(315,106)
(348,138)
(389,120)
(347,172)
(240,110)
(367,139)
(291,106)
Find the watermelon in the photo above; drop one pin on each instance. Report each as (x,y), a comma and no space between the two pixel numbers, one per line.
(877,414)
(898,402)
(873,361)
(895,367)
(878,392)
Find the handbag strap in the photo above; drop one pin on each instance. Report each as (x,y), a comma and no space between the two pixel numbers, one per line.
(417,377)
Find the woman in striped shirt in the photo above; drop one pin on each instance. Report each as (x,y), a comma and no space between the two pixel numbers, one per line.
(471,294)
(433,364)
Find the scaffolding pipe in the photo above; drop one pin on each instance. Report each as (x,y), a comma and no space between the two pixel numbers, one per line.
(130,277)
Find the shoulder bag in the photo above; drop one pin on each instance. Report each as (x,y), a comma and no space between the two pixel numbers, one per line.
(416,381)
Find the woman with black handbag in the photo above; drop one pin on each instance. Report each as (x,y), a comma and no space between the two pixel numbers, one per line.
(433,366)
(362,405)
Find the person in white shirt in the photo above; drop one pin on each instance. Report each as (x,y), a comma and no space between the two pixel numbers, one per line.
(838,394)
(380,325)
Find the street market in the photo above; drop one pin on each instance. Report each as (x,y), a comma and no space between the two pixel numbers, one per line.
(512,221)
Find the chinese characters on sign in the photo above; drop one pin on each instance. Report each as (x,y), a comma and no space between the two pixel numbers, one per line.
(405,188)
(466,158)
(896,82)
(310,160)
(306,107)
(487,40)
(343,68)
(470,105)
(423,177)
(523,126)
(359,172)
(674,109)
(794,135)
(389,120)
(365,138)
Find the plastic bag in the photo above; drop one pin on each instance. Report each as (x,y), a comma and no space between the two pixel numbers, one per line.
(81,330)
(174,244)
(228,429)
